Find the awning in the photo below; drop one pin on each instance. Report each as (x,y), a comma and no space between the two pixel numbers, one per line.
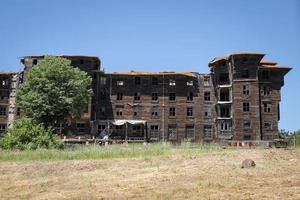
(133,122)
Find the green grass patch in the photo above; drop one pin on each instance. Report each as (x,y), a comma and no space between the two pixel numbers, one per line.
(108,152)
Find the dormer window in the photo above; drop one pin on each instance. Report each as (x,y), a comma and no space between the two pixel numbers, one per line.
(189,83)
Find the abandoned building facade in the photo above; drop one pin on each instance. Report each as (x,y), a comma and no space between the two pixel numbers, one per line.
(238,100)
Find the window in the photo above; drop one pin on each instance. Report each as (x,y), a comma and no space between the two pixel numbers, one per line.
(137,96)
(247,137)
(266,91)
(245,73)
(102,110)
(2,128)
(172,82)
(102,95)
(154,132)
(4,95)
(101,127)
(2,111)
(206,96)
(224,94)
(207,131)
(172,111)
(206,80)
(154,111)
(80,127)
(189,111)
(224,78)
(172,132)
(189,131)
(246,106)
(134,113)
(119,96)
(18,111)
(154,96)
(267,107)
(247,124)
(137,80)
(154,81)
(225,111)
(189,83)
(119,113)
(102,80)
(190,96)
(225,126)
(34,62)
(120,83)
(172,96)
(266,74)
(267,125)
(4,82)
(246,90)
(207,111)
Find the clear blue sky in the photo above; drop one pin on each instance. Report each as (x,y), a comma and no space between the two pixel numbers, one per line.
(157,35)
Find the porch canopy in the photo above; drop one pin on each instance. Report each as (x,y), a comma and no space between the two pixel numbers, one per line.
(132,122)
(131,135)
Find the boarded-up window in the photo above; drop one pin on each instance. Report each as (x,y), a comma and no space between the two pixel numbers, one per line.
(190,131)
(172,132)
(207,131)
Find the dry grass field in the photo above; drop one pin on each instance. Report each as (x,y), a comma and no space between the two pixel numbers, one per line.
(214,175)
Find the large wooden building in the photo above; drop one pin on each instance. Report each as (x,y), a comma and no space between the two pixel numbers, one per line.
(238,100)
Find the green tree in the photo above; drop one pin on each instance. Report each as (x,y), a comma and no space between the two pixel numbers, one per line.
(26,133)
(297,134)
(54,91)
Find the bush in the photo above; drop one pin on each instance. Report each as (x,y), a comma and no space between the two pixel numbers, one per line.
(26,133)
(298,138)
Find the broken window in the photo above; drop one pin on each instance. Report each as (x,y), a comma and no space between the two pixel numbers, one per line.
(225,126)
(172,111)
(102,80)
(119,112)
(206,96)
(172,96)
(266,91)
(2,128)
(80,127)
(267,125)
(225,111)
(189,111)
(207,111)
(189,83)
(154,132)
(172,82)
(266,74)
(154,81)
(246,106)
(119,96)
(172,131)
(120,83)
(190,96)
(137,96)
(154,111)
(2,111)
(18,111)
(267,107)
(246,90)
(245,73)
(137,80)
(189,131)
(224,78)
(247,124)
(101,127)
(224,94)
(154,96)
(206,80)
(207,131)
(34,62)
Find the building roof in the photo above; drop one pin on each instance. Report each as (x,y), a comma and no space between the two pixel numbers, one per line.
(139,73)
(8,73)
